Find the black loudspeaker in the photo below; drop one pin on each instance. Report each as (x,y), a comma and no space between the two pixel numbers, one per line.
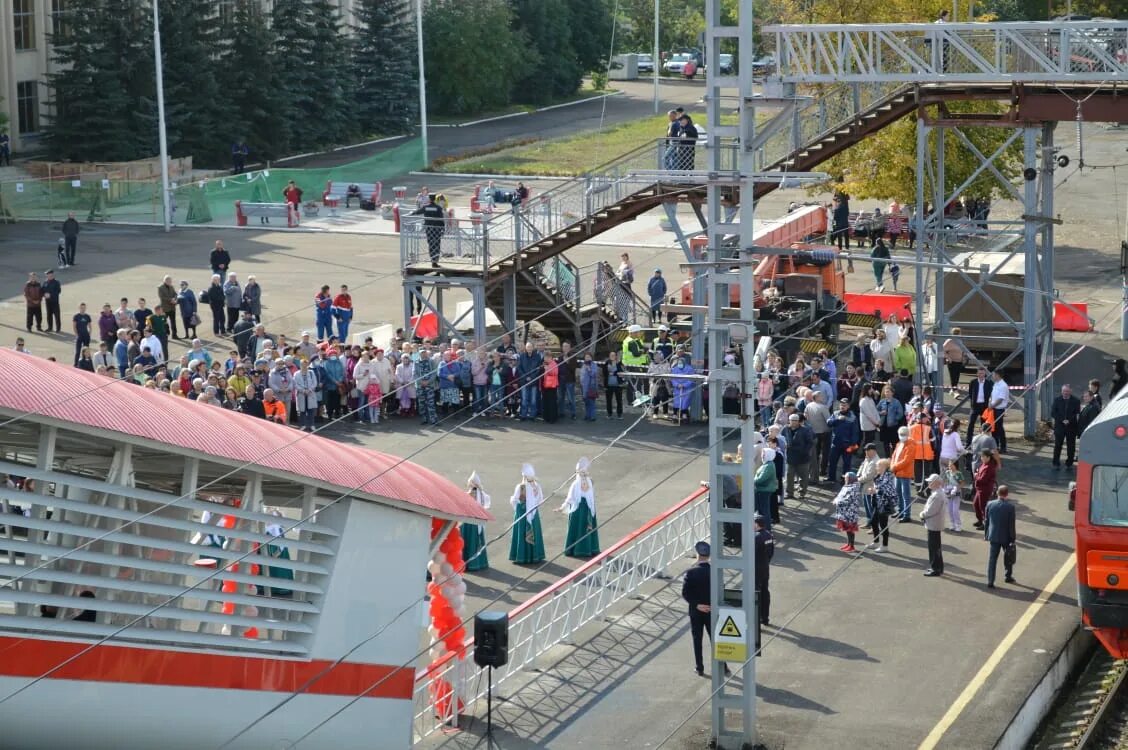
(491,639)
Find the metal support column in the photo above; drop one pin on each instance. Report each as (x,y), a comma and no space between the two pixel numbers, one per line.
(923,224)
(1030,301)
(733,582)
(1046,276)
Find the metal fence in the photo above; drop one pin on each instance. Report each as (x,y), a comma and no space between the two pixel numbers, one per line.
(555,614)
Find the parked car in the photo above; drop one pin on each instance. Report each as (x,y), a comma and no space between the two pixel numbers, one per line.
(645,63)
(676,63)
(726,64)
(764,65)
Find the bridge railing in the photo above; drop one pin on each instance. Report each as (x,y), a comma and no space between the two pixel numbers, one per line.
(1046,52)
(556,613)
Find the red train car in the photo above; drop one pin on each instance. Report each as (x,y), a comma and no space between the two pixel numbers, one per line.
(1101,526)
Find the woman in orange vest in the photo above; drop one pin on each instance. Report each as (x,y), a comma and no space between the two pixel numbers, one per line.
(920,441)
(901,463)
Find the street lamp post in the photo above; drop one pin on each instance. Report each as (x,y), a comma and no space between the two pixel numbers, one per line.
(162,135)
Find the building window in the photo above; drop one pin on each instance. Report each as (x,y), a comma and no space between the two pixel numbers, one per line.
(23,23)
(60,19)
(27,106)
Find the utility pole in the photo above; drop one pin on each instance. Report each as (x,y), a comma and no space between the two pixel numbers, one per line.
(657,62)
(162,135)
(735,619)
(422,79)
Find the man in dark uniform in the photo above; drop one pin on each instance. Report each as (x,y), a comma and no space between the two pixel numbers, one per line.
(434,222)
(695,590)
(1065,412)
(765,549)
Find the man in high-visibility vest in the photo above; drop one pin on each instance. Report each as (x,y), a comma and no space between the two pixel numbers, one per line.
(635,358)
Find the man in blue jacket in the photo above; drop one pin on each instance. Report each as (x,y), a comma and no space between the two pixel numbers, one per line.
(656,289)
(999,531)
(530,366)
(844,433)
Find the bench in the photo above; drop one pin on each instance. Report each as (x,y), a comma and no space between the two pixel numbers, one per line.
(264,211)
(337,191)
(484,199)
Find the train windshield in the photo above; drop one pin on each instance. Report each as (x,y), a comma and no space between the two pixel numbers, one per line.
(1108,502)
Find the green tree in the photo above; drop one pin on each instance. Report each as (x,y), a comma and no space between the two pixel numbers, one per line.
(883,166)
(309,50)
(591,22)
(550,68)
(384,67)
(104,79)
(198,113)
(249,79)
(471,51)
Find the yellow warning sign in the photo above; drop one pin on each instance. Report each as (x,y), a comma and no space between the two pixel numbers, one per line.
(728,638)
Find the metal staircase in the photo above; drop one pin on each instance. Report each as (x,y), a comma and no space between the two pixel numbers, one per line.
(514,263)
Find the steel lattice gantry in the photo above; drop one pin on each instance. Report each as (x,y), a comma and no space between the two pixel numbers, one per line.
(1032,52)
(733,568)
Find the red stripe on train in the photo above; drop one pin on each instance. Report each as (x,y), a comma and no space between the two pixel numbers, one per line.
(31,657)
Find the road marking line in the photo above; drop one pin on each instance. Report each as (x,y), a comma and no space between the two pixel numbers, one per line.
(977,682)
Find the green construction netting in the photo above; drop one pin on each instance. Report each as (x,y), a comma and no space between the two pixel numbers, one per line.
(101,197)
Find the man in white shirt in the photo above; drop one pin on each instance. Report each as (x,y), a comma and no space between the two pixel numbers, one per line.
(154,344)
(1000,400)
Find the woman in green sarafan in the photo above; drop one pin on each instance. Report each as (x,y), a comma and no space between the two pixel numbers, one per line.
(527,545)
(474,534)
(583,535)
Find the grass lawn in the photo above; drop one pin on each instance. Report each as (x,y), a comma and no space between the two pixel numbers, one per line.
(566,157)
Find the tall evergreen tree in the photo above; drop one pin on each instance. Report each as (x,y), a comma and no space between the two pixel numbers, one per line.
(384,67)
(308,52)
(105,76)
(328,119)
(198,117)
(551,68)
(248,78)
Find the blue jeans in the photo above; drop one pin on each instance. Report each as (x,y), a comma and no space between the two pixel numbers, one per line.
(361,407)
(324,328)
(343,325)
(479,398)
(566,399)
(905,495)
(307,417)
(589,409)
(497,399)
(836,453)
(530,401)
(867,501)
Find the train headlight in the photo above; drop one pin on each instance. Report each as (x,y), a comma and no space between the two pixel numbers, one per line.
(1113,579)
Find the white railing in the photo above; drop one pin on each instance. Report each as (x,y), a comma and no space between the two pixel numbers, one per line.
(1042,52)
(268,603)
(556,613)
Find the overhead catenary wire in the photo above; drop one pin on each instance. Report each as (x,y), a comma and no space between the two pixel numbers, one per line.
(640,497)
(220,570)
(232,472)
(822,589)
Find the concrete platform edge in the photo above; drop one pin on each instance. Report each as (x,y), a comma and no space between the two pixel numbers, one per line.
(1042,697)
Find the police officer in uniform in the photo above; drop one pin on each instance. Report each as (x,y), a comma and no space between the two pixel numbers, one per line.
(765,549)
(695,590)
(434,223)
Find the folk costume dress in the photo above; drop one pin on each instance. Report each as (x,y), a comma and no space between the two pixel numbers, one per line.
(474,534)
(527,545)
(583,536)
